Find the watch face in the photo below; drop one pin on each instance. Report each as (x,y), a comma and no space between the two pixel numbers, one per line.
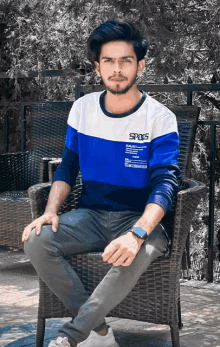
(141,232)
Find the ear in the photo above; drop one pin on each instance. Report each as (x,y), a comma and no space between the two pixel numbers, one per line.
(141,66)
(97,68)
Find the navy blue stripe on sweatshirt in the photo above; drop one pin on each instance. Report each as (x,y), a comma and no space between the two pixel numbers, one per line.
(68,170)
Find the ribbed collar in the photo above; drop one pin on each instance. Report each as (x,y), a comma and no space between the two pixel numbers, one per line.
(120,115)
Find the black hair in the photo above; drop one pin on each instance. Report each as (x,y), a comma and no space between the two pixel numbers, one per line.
(115,30)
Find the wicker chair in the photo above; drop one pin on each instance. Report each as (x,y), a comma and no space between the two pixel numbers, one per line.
(156,296)
(19,171)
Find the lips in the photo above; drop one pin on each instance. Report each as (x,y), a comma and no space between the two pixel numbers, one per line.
(117,79)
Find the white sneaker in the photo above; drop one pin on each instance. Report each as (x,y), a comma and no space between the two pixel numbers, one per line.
(96,340)
(60,342)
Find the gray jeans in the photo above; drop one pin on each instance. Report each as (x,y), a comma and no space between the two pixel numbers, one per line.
(89,230)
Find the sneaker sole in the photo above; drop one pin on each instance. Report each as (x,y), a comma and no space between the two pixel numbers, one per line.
(115,345)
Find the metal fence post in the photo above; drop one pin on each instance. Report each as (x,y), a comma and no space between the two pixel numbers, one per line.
(189,93)
(23,129)
(6,130)
(78,91)
(211,202)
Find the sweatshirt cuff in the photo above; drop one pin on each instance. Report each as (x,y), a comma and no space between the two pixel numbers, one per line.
(160,200)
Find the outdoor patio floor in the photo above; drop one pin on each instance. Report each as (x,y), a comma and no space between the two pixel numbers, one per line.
(19,301)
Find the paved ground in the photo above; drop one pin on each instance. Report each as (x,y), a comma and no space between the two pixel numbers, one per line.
(19,301)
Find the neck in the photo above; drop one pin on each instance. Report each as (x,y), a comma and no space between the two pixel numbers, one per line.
(121,103)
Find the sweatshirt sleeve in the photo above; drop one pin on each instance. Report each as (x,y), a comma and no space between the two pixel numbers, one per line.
(68,170)
(164,170)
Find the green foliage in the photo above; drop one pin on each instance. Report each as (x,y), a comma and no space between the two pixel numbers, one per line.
(184,35)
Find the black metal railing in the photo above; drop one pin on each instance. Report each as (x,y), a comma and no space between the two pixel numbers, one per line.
(213,124)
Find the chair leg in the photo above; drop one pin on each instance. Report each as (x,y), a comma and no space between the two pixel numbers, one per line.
(40,332)
(180,324)
(175,335)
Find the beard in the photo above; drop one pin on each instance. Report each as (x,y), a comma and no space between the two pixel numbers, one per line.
(118,90)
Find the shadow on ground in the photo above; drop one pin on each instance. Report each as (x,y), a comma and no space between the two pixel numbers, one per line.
(29,330)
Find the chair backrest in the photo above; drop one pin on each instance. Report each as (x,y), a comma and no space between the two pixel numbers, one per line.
(190,114)
(48,131)
(187,118)
(15,171)
(185,129)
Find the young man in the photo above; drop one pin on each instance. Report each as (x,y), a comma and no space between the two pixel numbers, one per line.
(125,144)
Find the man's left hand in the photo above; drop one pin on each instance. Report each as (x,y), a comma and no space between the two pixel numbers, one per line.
(122,250)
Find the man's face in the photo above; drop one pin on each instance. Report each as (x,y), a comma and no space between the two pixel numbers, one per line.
(118,66)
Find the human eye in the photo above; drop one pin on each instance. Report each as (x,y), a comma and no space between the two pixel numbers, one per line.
(127,60)
(107,60)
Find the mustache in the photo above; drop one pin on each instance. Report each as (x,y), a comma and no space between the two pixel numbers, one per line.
(121,76)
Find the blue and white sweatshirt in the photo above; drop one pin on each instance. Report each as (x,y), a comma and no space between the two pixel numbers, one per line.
(127,160)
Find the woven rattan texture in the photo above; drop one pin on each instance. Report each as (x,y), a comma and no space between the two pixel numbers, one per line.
(19,171)
(15,171)
(48,131)
(18,203)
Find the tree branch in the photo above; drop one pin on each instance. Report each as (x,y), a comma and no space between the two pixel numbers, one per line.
(210,97)
(216,12)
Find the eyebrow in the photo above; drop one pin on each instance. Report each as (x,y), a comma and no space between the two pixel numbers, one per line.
(125,57)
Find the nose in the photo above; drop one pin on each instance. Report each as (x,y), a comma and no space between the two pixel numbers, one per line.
(117,68)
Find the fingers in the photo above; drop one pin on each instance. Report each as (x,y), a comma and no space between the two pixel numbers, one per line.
(109,251)
(35,224)
(26,232)
(38,223)
(120,258)
(116,255)
(124,259)
(55,223)
(127,262)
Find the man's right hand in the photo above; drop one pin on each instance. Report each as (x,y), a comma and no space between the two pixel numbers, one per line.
(46,218)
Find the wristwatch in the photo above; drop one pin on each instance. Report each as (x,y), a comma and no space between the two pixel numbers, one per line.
(139,232)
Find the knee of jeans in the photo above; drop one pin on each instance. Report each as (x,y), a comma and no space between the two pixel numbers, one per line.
(158,240)
(38,247)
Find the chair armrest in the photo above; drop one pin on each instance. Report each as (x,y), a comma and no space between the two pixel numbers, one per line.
(187,201)
(52,166)
(44,169)
(15,171)
(39,194)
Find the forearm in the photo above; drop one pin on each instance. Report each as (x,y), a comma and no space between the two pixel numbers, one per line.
(58,194)
(151,217)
